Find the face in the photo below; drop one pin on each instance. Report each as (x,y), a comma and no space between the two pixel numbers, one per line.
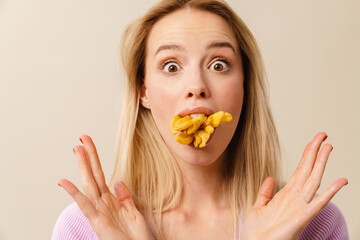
(193,61)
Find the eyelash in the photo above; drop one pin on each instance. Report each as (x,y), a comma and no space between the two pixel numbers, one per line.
(223,60)
(163,65)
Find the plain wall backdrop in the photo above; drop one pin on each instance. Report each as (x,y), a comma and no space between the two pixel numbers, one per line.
(60,78)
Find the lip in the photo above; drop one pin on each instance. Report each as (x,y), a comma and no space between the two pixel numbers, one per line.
(207,143)
(202,110)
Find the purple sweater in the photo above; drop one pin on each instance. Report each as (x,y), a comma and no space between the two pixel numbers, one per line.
(329,224)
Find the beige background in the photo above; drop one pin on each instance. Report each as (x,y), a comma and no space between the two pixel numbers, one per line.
(60,78)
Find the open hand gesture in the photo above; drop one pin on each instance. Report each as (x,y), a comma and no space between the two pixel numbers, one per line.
(285,215)
(112,217)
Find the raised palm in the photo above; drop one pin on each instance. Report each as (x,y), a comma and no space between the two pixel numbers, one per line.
(285,215)
(112,217)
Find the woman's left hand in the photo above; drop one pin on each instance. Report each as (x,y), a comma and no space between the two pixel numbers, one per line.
(286,215)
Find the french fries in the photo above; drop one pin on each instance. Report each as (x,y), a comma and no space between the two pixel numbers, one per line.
(197,130)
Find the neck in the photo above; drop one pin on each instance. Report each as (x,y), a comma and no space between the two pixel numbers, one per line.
(202,190)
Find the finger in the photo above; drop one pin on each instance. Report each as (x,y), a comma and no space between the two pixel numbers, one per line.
(314,181)
(306,164)
(95,163)
(82,201)
(266,192)
(324,198)
(88,181)
(123,194)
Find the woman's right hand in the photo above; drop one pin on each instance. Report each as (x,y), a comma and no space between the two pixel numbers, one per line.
(112,217)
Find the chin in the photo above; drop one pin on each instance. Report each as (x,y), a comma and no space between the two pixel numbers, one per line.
(200,157)
(205,156)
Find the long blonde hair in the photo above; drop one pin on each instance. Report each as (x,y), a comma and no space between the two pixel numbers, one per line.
(143,160)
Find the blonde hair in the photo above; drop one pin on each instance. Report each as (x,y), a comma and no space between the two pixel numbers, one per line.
(143,160)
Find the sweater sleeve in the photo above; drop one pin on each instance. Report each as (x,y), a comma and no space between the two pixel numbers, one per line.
(329,224)
(73,225)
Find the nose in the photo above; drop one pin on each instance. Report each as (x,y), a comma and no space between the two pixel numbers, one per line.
(197,87)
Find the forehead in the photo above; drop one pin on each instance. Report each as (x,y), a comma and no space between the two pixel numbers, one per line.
(190,27)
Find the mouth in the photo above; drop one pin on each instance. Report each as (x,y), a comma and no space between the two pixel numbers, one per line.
(197,128)
(207,143)
(196,112)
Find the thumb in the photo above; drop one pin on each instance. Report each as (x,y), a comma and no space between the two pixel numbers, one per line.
(123,195)
(265,192)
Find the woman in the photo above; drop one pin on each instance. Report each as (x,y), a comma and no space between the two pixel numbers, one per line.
(197,57)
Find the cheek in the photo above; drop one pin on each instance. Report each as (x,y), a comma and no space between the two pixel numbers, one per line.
(231,95)
(163,101)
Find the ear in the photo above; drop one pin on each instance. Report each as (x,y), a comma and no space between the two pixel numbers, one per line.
(144,97)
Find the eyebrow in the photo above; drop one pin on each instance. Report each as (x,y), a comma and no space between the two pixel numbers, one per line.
(171,46)
(212,45)
(221,45)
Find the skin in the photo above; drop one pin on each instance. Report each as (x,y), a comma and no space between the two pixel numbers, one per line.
(196,83)
(203,212)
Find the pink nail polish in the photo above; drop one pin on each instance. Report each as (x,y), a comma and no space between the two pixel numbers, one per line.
(74,150)
(59,184)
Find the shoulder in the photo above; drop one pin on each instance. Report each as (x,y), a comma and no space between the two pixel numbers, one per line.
(328,224)
(72,224)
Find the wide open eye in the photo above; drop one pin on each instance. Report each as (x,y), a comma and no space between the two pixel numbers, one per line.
(219,65)
(170,67)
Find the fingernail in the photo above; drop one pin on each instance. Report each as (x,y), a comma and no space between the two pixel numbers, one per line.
(74,150)
(59,185)
(81,140)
